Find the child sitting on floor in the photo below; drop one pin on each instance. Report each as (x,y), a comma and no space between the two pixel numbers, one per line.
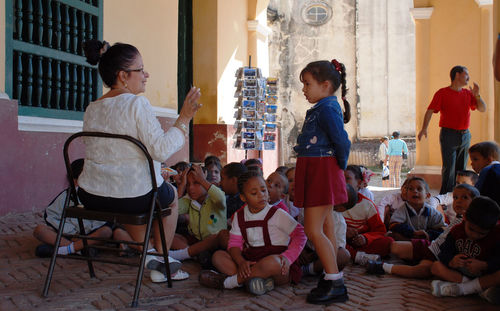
(229,184)
(290,175)
(206,206)
(469,260)
(277,187)
(415,219)
(365,230)
(264,243)
(213,168)
(391,202)
(463,194)
(53,214)
(363,187)
(443,202)
(484,158)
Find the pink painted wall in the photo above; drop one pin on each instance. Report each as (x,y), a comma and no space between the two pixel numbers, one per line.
(32,168)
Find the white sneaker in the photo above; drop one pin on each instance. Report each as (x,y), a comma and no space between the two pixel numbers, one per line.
(362,258)
(442,289)
(157,263)
(158,277)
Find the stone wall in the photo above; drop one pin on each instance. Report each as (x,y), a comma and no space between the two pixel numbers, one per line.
(375,41)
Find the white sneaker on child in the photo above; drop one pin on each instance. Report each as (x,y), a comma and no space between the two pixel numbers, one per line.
(157,263)
(362,258)
(442,289)
(158,277)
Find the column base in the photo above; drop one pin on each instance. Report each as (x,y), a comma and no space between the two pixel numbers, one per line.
(431,174)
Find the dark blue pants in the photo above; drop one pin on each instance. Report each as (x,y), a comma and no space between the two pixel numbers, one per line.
(454,153)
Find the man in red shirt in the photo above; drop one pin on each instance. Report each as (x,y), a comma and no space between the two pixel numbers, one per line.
(454,103)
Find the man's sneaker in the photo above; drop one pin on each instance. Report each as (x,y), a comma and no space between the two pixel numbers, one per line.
(442,288)
(259,286)
(375,267)
(158,277)
(212,279)
(491,295)
(157,263)
(328,292)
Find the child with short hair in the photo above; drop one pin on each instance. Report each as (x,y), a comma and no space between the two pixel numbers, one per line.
(282,170)
(365,230)
(213,168)
(416,219)
(264,243)
(443,202)
(254,164)
(391,202)
(484,158)
(229,184)
(180,178)
(277,187)
(463,194)
(206,206)
(469,260)
(53,214)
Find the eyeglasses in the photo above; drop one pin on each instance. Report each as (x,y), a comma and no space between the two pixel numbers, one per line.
(141,70)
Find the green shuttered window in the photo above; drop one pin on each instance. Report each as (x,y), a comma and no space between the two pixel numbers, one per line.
(45,67)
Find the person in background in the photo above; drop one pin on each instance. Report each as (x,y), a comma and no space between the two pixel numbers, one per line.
(382,150)
(395,158)
(254,164)
(213,168)
(454,103)
(484,160)
(229,184)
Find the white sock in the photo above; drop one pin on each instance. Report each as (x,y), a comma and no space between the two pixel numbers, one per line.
(387,267)
(65,250)
(470,287)
(231,282)
(334,276)
(180,254)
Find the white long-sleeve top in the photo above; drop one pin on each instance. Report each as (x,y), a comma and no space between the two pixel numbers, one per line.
(117,168)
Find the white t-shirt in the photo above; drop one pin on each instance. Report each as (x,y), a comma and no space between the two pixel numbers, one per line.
(117,168)
(280,226)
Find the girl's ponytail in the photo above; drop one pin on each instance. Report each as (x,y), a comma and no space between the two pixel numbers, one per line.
(347,107)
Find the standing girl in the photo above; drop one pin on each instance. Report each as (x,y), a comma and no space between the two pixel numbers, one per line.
(322,152)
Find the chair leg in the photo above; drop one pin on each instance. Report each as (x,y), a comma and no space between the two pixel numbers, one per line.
(48,279)
(164,246)
(86,248)
(140,273)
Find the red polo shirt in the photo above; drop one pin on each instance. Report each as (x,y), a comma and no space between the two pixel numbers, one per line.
(455,107)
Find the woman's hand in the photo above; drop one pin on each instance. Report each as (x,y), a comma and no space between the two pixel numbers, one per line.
(191,104)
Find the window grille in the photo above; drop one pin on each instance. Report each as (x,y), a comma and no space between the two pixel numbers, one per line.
(45,66)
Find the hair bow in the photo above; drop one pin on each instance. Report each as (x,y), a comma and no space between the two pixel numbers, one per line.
(367,174)
(337,65)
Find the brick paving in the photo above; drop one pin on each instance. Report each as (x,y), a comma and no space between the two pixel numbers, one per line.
(22,276)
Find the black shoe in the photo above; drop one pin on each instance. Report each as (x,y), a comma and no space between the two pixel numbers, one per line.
(328,292)
(44,250)
(374,267)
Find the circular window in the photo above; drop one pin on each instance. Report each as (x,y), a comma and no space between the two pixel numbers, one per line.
(316,13)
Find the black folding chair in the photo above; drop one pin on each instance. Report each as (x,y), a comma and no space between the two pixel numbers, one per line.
(74,210)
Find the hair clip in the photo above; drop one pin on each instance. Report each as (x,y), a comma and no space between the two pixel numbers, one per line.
(337,65)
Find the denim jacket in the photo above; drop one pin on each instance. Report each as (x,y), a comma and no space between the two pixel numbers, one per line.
(323,133)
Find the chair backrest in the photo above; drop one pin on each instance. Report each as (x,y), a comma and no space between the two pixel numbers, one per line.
(133,140)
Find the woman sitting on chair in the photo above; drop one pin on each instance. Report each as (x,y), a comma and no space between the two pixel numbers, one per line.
(116,176)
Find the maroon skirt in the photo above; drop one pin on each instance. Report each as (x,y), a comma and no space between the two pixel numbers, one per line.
(319,181)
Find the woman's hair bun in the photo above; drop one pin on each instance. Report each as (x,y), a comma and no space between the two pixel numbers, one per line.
(93,49)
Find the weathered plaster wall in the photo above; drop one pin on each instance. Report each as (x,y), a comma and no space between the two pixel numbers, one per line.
(375,41)
(293,44)
(385,50)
